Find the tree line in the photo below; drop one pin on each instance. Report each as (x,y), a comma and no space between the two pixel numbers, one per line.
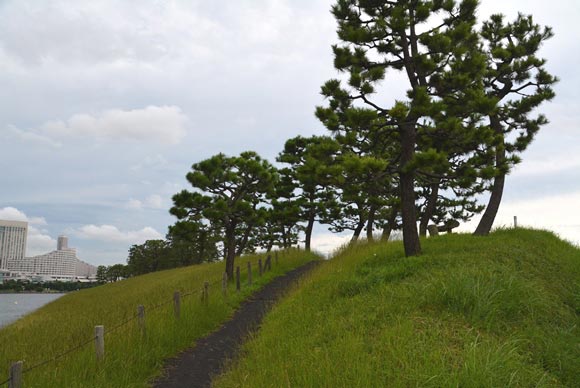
(54,286)
(387,163)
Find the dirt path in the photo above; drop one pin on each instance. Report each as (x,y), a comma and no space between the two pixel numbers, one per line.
(196,366)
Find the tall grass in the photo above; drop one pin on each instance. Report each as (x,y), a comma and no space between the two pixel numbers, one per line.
(498,311)
(131,360)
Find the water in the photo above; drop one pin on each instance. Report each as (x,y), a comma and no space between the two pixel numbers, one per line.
(15,306)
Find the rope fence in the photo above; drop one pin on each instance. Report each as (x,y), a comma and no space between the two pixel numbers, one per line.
(17,370)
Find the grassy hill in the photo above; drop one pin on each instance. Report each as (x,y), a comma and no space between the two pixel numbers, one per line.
(131,359)
(498,311)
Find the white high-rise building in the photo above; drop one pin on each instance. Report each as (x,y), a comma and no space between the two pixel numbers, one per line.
(13,236)
(61,264)
(62,243)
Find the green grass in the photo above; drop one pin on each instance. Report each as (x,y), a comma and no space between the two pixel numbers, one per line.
(130,361)
(498,311)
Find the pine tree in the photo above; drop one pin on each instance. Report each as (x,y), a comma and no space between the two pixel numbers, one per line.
(314,167)
(435,45)
(231,194)
(368,152)
(519,82)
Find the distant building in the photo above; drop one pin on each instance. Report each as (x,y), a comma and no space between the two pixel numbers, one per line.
(61,243)
(4,274)
(13,236)
(61,264)
(85,270)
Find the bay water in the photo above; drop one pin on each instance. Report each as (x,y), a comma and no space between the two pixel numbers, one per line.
(15,306)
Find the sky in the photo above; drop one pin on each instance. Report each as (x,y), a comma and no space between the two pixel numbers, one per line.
(105,105)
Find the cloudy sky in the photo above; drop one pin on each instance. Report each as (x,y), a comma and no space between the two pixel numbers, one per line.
(105,105)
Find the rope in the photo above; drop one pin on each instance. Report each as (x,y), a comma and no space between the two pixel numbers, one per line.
(121,324)
(113,329)
(189,293)
(153,308)
(69,351)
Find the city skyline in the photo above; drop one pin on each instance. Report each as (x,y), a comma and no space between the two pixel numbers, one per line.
(61,263)
(105,106)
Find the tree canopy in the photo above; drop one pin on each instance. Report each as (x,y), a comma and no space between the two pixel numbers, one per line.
(519,83)
(230,192)
(435,45)
(390,161)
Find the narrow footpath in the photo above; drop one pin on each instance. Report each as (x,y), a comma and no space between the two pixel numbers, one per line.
(196,366)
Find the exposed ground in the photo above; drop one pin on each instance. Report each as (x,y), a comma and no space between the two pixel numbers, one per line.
(196,366)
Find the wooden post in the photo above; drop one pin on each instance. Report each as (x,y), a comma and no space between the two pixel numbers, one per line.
(260,266)
(238,279)
(15,375)
(206,292)
(225,285)
(515,222)
(276,256)
(141,320)
(249,273)
(100,342)
(177,304)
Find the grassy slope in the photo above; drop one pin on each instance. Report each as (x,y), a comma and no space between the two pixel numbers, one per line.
(130,361)
(471,312)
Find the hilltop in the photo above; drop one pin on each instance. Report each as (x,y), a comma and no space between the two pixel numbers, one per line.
(496,311)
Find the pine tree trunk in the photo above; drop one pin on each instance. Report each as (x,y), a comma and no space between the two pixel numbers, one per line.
(244,241)
(308,231)
(202,243)
(411,240)
(358,230)
(284,237)
(390,223)
(370,223)
(486,222)
(429,209)
(386,233)
(230,251)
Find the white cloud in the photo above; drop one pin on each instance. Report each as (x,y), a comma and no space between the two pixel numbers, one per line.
(104,31)
(150,162)
(154,201)
(164,124)
(134,204)
(110,233)
(553,165)
(32,137)
(12,214)
(38,242)
(155,33)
